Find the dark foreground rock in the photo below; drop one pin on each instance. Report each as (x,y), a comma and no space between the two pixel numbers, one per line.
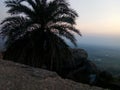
(15,76)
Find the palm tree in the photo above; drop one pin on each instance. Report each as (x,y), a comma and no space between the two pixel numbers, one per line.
(36,30)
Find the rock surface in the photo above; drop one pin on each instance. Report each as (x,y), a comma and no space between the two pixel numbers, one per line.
(79,53)
(83,68)
(1,55)
(15,76)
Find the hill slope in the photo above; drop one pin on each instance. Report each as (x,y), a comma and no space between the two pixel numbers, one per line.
(15,76)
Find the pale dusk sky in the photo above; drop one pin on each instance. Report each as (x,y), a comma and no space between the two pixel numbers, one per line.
(96,18)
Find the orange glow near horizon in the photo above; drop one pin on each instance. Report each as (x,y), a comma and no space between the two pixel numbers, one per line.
(101,17)
(106,26)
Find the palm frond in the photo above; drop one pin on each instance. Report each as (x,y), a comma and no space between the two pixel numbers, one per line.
(66,27)
(65,12)
(31,3)
(64,19)
(61,31)
(15,27)
(37,2)
(18,8)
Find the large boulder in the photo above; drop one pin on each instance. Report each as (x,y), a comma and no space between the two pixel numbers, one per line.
(79,57)
(84,72)
(79,61)
(15,76)
(79,53)
(82,69)
(1,56)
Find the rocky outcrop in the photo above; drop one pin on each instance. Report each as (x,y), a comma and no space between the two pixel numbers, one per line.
(86,71)
(82,69)
(79,53)
(15,76)
(1,55)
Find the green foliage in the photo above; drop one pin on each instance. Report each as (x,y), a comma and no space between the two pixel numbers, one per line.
(34,32)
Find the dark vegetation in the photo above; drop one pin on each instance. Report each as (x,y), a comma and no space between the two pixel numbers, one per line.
(35,32)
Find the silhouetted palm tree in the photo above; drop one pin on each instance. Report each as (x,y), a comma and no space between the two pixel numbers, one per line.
(35,32)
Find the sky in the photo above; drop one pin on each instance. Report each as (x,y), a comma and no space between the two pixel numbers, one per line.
(98,21)
(98,16)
